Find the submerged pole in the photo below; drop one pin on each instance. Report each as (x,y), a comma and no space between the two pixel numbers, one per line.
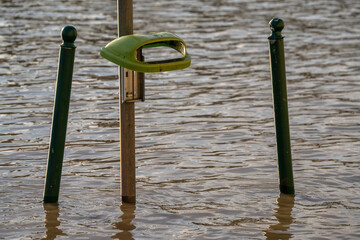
(60,115)
(278,77)
(127,114)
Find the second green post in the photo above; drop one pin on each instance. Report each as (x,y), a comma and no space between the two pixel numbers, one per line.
(278,77)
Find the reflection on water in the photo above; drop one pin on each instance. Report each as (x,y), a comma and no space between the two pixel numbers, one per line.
(51,221)
(285,204)
(125,225)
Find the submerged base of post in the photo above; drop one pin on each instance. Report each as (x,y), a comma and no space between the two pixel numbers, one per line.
(50,199)
(287,189)
(128,199)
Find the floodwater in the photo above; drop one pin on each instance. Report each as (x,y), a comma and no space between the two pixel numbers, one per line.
(205,142)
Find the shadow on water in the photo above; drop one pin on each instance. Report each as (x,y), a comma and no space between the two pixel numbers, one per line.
(51,221)
(125,224)
(285,204)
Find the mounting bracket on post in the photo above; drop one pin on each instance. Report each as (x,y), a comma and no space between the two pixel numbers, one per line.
(126,51)
(132,86)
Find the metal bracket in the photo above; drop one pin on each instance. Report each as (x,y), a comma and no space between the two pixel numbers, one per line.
(132,86)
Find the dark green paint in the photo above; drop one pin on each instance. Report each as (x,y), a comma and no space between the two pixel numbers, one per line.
(60,115)
(278,76)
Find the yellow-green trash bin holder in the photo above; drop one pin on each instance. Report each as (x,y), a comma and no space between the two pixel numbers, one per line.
(123,51)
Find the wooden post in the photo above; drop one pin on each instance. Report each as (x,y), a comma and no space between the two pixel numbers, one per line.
(127,114)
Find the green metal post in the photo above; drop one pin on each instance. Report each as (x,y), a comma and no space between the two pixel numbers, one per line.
(60,115)
(278,76)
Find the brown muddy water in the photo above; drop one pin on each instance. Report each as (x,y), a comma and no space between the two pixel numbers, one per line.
(205,139)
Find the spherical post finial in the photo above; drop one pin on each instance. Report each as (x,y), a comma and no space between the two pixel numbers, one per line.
(276,25)
(68,34)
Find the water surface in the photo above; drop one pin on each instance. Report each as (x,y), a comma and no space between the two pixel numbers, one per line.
(205,140)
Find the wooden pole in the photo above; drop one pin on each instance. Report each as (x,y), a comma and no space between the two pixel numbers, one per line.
(127,114)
